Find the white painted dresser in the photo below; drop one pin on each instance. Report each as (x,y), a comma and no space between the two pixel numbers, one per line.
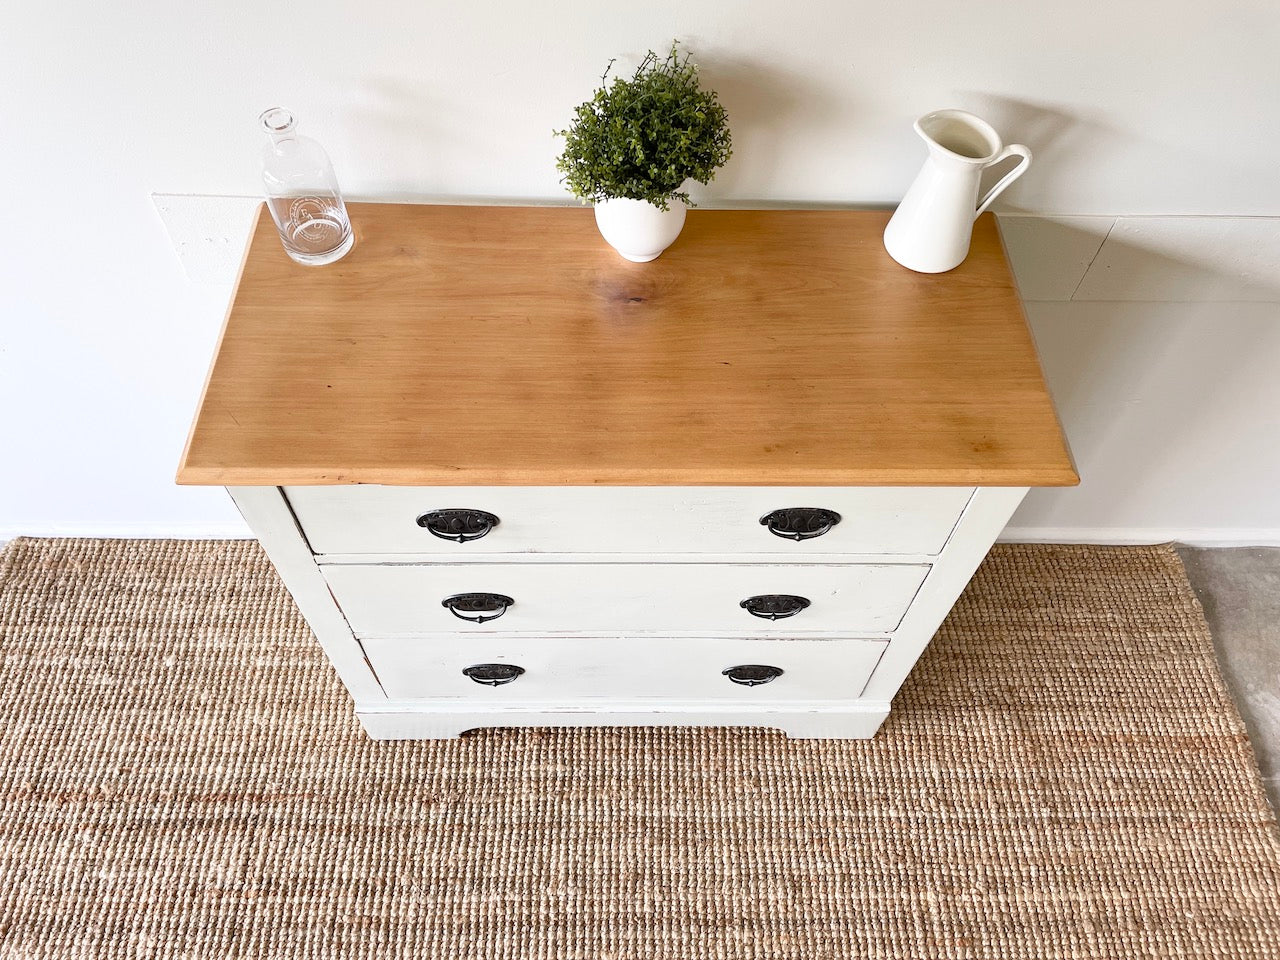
(511,479)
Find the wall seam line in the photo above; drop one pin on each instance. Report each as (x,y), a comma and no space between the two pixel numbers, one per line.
(1092,260)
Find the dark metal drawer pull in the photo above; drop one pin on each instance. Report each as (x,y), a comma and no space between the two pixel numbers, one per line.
(800,523)
(774,606)
(752,674)
(493,674)
(458,525)
(481,603)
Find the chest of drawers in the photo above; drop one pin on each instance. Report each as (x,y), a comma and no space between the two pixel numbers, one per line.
(513,480)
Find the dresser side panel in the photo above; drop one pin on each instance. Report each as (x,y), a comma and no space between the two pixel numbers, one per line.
(269,517)
(986,515)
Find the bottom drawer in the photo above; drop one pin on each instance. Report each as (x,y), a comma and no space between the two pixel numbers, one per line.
(566,671)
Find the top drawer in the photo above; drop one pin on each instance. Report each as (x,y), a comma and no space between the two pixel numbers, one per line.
(627,520)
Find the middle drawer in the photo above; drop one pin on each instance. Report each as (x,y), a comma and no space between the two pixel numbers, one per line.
(744,600)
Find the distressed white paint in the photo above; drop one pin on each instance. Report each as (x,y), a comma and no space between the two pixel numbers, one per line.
(673,520)
(265,511)
(983,519)
(609,597)
(587,655)
(589,672)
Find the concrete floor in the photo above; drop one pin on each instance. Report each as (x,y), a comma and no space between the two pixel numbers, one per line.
(1239,588)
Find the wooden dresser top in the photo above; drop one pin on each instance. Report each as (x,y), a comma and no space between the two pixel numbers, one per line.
(510,345)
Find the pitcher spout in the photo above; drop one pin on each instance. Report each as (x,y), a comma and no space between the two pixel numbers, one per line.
(959,135)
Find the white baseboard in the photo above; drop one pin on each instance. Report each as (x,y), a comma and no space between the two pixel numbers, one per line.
(1131,536)
(228,530)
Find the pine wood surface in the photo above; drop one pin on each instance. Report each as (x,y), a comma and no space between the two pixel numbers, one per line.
(511,345)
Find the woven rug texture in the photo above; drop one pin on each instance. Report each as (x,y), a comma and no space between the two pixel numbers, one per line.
(1063,776)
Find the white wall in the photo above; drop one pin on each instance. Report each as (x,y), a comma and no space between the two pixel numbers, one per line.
(1160,339)
(1134,108)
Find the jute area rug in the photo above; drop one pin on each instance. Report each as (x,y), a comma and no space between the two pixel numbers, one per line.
(1063,776)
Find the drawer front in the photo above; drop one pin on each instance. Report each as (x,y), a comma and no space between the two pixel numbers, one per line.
(409,599)
(679,520)
(569,671)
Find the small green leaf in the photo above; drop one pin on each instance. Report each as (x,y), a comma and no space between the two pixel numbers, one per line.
(643,137)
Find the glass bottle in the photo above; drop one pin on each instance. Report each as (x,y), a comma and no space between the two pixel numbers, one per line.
(302,193)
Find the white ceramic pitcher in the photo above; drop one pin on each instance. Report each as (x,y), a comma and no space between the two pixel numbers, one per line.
(930,230)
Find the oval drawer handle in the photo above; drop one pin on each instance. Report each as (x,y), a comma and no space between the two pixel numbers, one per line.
(800,523)
(458,525)
(493,674)
(774,606)
(479,603)
(752,674)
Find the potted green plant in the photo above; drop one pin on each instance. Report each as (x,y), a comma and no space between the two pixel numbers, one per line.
(634,145)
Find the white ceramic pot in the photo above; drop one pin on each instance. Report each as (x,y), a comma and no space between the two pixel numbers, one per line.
(637,229)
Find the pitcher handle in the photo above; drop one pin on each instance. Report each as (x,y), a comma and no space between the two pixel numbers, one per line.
(1012,150)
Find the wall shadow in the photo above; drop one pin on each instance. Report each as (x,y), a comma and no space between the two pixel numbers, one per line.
(764,103)
(1055,135)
